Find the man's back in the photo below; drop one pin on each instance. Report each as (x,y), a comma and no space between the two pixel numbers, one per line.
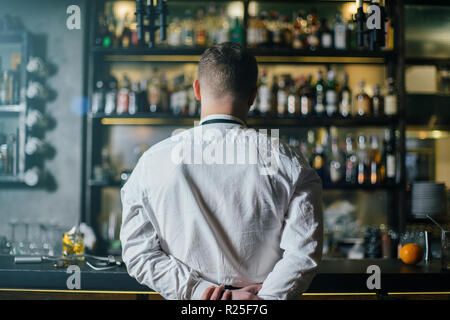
(217,211)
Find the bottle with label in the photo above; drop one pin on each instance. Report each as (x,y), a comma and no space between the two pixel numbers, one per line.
(174,33)
(331,94)
(326,38)
(223,33)
(377,102)
(293,106)
(264,103)
(273,95)
(164,93)
(297,31)
(375,160)
(345,98)
(282,96)
(351,161)
(390,100)
(111,96)
(336,161)
(313,36)
(123,98)
(275,27)
(286,32)
(318,157)
(237,33)
(319,92)
(362,101)
(351,35)
(389,156)
(340,42)
(187,29)
(154,94)
(98,98)
(363,161)
(200,30)
(125,39)
(142,96)
(306,99)
(133,98)
(252,31)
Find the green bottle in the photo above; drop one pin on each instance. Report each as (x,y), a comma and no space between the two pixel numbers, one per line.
(237,32)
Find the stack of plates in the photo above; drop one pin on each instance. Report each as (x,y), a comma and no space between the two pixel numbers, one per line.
(428,198)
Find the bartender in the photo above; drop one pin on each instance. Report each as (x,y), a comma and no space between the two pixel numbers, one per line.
(207,214)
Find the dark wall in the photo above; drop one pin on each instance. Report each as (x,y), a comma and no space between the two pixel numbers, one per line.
(46,20)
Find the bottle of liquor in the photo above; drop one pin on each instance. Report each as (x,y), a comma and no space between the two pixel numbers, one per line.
(326,38)
(252,31)
(297,31)
(200,30)
(313,36)
(264,103)
(375,160)
(142,96)
(223,33)
(282,95)
(318,157)
(377,102)
(133,98)
(362,107)
(125,39)
(111,96)
(336,161)
(363,161)
(306,147)
(192,102)
(351,35)
(123,97)
(319,91)
(98,98)
(237,33)
(154,94)
(331,94)
(274,95)
(390,100)
(275,27)
(345,99)
(286,32)
(101,31)
(164,93)
(351,161)
(212,25)
(174,33)
(187,31)
(390,156)
(306,99)
(339,33)
(293,106)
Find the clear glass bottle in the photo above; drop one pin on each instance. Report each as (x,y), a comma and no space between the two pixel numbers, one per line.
(363,161)
(331,94)
(345,98)
(377,102)
(362,101)
(339,27)
(390,100)
(319,90)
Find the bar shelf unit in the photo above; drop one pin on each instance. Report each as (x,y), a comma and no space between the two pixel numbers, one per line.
(96,125)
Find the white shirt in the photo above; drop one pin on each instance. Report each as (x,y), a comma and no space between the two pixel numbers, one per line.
(196,214)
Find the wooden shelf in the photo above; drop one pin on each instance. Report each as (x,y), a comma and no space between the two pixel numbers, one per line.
(263,55)
(313,121)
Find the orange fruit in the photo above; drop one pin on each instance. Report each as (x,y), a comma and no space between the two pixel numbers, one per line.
(411,253)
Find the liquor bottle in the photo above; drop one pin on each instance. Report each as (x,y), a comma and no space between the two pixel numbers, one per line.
(200,30)
(306,100)
(282,95)
(331,94)
(154,94)
(6,87)
(297,31)
(187,31)
(363,160)
(375,160)
(308,148)
(275,29)
(223,33)
(362,107)
(390,100)
(293,107)
(125,38)
(286,32)
(164,93)
(211,25)
(319,91)
(142,100)
(318,157)
(133,98)
(263,35)
(98,98)
(351,161)
(313,36)
(339,33)
(123,97)
(264,102)
(351,35)
(389,156)
(252,31)
(377,102)
(237,34)
(192,102)
(274,95)
(101,31)
(326,38)
(345,99)
(11,158)
(336,161)
(111,96)
(174,33)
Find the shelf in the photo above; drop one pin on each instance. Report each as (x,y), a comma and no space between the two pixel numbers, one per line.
(17,108)
(427,61)
(278,56)
(168,120)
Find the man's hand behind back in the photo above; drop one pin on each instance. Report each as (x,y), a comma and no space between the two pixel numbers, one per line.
(245,293)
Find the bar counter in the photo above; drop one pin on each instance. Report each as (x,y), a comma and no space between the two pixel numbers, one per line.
(339,278)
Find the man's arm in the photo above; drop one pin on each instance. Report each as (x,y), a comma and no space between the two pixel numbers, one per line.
(141,249)
(301,241)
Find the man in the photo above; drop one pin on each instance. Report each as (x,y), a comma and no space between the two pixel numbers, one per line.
(206,213)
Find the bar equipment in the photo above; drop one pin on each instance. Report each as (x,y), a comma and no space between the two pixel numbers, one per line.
(151,13)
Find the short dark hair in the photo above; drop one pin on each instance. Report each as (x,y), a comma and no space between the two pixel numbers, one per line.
(228,68)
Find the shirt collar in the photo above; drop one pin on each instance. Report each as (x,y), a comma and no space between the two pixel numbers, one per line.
(219,116)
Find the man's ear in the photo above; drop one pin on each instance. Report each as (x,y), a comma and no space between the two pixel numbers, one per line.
(252,97)
(196,86)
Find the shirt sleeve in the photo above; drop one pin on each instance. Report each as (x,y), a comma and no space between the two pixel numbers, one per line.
(142,252)
(301,241)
